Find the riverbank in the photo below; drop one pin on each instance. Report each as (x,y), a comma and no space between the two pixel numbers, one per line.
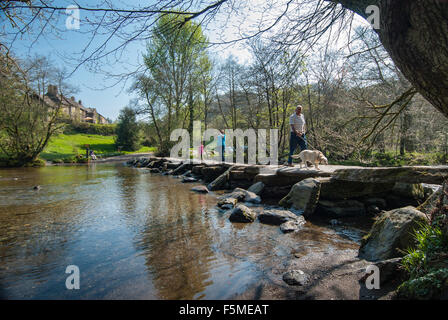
(114,159)
(65,147)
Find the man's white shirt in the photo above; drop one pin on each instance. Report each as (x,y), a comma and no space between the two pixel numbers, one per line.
(297,121)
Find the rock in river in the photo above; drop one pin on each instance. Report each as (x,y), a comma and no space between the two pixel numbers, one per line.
(256,188)
(227,203)
(296,278)
(341,208)
(241,213)
(391,233)
(189,179)
(276,217)
(293,225)
(200,189)
(303,196)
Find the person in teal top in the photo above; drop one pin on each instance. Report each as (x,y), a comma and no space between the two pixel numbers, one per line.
(222,143)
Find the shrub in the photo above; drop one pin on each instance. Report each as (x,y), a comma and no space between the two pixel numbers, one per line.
(427,264)
(90,128)
(128,130)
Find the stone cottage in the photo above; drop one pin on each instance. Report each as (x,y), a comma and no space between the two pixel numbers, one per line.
(72,108)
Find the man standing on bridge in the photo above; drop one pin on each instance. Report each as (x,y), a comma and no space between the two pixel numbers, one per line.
(298,137)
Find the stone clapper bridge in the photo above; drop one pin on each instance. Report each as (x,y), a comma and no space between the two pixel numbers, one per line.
(336,191)
(398,197)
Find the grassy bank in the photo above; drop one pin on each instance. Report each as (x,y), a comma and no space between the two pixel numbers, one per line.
(65,147)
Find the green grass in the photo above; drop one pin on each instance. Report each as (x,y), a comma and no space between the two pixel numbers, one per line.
(66,146)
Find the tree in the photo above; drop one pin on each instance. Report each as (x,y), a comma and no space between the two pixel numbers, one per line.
(413,32)
(175,61)
(128,130)
(26,122)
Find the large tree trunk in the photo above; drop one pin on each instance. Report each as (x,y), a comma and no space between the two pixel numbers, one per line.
(415,34)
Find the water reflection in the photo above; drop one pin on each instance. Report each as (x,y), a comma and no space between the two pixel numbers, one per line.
(133,235)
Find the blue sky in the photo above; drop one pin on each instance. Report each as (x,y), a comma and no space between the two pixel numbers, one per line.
(92,85)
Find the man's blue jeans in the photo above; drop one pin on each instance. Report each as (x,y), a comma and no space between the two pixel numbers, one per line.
(222,153)
(295,141)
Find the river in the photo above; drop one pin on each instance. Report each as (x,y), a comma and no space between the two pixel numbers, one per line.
(136,235)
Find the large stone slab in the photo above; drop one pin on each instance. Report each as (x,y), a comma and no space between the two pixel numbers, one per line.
(406,174)
(391,234)
(332,189)
(303,173)
(288,176)
(303,196)
(220,181)
(210,173)
(341,208)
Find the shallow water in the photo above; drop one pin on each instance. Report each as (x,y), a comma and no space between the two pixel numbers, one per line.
(135,235)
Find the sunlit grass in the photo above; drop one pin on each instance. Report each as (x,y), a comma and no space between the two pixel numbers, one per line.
(65,146)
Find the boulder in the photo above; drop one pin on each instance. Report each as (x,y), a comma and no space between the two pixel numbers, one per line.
(276,217)
(377,202)
(227,203)
(275,192)
(389,270)
(256,188)
(296,278)
(210,173)
(430,204)
(220,181)
(405,174)
(186,173)
(181,169)
(392,232)
(248,195)
(241,213)
(173,165)
(373,210)
(200,189)
(197,170)
(429,189)
(288,176)
(332,189)
(189,179)
(243,195)
(341,208)
(293,225)
(303,196)
(409,190)
(240,175)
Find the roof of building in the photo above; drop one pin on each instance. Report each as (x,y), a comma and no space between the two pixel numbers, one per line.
(53,100)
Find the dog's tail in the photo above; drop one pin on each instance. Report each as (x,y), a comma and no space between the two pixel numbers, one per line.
(295,156)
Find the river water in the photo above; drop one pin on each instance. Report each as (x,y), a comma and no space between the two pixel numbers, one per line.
(135,235)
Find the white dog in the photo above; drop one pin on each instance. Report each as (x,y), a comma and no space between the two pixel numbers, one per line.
(313,156)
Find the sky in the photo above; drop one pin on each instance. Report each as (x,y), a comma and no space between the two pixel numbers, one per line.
(94,87)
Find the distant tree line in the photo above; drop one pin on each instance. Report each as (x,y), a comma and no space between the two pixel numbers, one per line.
(357,106)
